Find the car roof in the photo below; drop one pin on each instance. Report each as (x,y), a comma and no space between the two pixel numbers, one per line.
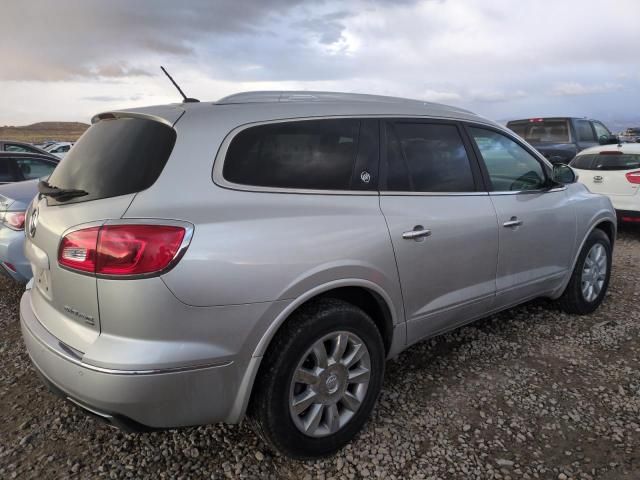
(274,105)
(44,156)
(631,148)
(542,117)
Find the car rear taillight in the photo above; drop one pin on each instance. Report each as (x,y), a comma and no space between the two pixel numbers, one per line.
(14,220)
(121,250)
(633,177)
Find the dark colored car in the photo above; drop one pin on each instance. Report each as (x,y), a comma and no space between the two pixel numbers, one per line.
(559,139)
(20,166)
(11,146)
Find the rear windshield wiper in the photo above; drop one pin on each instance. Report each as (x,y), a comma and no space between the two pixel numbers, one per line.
(60,194)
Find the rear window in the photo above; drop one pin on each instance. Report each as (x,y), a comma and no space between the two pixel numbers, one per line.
(115,157)
(606,162)
(542,131)
(309,154)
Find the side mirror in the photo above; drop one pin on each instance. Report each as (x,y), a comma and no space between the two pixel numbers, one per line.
(564,174)
(608,139)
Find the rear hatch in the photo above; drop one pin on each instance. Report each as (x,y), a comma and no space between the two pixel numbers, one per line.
(609,172)
(550,136)
(118,156)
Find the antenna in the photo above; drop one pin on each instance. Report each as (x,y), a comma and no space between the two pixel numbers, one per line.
(186,99)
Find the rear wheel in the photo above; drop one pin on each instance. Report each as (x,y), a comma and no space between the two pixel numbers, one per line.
(319,380)
(590,278)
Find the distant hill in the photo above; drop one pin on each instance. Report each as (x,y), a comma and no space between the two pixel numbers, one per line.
(38,132)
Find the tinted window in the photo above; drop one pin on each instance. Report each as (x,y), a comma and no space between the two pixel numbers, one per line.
(582,162)
(10,147)
(115,157)
(607,162)
(32,168)
(541,130)
(424,157)
(510,167)
(312,154)
(6,170)
(600,129)
(584,131)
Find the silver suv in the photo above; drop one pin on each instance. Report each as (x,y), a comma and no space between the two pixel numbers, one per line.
(266,253)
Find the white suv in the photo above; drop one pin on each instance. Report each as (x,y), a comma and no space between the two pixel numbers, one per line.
(613,170)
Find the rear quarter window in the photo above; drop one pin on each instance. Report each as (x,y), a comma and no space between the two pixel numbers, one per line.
(115,157)
(304,154)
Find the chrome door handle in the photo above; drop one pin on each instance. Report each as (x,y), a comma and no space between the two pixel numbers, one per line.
(514,222)
(418,232)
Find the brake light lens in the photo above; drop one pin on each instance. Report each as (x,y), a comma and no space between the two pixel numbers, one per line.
(121,250)
(14,220)
(78,250)
(633,177)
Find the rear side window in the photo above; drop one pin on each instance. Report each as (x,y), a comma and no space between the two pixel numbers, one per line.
(308,154)
(584,131)
(32,168)
(606,162)
(11,147)
(115,157)
(423,157)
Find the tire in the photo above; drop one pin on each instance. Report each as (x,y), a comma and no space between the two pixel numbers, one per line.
(573,299)
(273,406)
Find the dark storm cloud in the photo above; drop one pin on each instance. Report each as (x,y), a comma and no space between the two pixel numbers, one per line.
(69,39)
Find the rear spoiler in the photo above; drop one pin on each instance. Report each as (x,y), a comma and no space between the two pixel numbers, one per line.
(167,114)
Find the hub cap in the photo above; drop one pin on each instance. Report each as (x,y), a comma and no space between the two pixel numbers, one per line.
(329,384)
(594,272)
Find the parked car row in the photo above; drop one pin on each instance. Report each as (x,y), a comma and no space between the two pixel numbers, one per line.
(630,135)
(264,255)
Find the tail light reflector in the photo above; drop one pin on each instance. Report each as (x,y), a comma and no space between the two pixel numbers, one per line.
(14,220)
(633,177)
(121,250)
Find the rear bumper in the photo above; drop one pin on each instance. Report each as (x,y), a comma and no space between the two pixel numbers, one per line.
(134,400)
(628,216)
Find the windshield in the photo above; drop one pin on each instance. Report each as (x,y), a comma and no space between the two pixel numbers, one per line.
(115,157)
(541,130)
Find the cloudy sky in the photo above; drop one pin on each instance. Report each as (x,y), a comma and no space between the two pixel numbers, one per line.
(66,60)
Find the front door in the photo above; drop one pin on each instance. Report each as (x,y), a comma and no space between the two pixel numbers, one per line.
(442,225)
(536,221)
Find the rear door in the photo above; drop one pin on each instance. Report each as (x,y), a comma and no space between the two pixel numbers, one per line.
(442,224)
(536,223)
(114,159)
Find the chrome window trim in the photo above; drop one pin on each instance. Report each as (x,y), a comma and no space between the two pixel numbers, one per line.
(528,192)
(220,158)
(390,193)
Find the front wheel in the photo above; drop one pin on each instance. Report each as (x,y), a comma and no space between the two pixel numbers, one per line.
(590,278)
(320,380)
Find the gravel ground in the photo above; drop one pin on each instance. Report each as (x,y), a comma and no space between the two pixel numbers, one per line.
(528,393)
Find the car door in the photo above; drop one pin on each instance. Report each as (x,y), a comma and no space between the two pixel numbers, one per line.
(536,220)
(441,222)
